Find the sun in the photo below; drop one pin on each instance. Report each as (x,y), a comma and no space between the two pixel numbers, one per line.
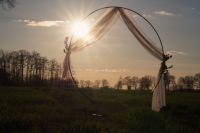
(80,29)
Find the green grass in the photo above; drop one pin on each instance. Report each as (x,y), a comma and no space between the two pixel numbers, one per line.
(24,109)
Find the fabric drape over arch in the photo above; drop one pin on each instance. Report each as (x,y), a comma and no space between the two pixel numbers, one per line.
(98,30)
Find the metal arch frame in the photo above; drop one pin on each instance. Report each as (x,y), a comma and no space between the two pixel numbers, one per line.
(165,57)
(107,7)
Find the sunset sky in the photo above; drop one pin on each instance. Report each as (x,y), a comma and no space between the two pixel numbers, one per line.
(42,25)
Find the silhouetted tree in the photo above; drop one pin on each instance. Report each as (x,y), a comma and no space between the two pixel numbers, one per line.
(43,68)
(189,81)
(22,56)
(54,70)
(3,72)
(25,68)
(181,83)
(171,82)
(186,82)
(96,84)
(82,84)
(128,82)
(134,82)
(88,84)
(12,67)
(197,80)
(153,80)
(146,82)
(105,83)
(8,3)
(119,83)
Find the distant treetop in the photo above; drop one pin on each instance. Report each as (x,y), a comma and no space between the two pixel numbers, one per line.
(7,3)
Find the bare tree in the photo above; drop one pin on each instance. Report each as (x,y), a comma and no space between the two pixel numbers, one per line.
(189,81)
(181,83)
(135,81)
(8,3)
(128,82)
(13,67)
(145,82)
(105,83)
(197,80)
(96,84)
(88,83)
(119,83)
(186,82)
(25,68)
(53,70)
(22,54)
(82,84)
(44,67)
(3,73)
(153,80)
(171,82)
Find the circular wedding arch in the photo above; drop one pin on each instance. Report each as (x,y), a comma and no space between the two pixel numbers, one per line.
(133,11)
(158,100)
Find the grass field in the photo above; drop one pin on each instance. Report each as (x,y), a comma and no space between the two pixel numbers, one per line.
(24,109)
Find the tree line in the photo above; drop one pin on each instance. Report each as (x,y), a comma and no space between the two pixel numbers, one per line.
(149,82)
(24,68)
(145,83)
(27,68)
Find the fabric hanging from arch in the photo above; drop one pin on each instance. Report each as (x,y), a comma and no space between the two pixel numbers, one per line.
(66,66)
(102,26)
(97,30)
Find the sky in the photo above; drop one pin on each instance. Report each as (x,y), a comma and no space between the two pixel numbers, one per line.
(42,25)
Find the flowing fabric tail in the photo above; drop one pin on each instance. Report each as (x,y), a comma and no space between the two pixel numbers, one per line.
(66,66)
(158,99)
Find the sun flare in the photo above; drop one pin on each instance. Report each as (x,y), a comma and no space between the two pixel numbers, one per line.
(80,29)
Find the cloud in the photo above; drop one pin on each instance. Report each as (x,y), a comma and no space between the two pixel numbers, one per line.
(45,23)
(164,13)
(144,15)
(147,16)
(105,70)
(193,8)
(173,52)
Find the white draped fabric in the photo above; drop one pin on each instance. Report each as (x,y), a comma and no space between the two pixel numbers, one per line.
(66,66)
(101,26)
(158,99)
